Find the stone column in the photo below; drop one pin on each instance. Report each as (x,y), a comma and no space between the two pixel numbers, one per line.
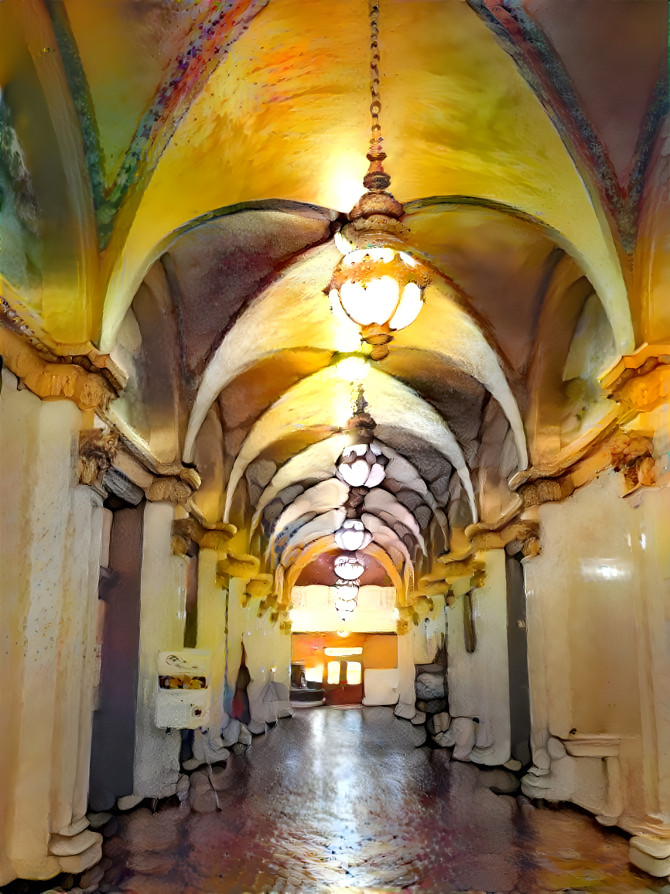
(212,608)
(268,655)
(478,680)
(406,674)
(162,613)
(49,552)
(77,661)
(586,656)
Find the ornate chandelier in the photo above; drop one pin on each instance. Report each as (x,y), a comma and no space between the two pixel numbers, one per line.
(361,465)
(378,283)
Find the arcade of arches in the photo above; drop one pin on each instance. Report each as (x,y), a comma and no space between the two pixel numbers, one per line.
(195,437)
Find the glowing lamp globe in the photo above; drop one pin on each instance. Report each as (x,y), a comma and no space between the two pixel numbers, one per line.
(346,600)
(352,535)
(361,465)
(348,567)
(345,611)
(381,289)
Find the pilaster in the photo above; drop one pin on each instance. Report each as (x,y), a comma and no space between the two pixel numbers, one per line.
(212,628)
(162,614)
(477,667)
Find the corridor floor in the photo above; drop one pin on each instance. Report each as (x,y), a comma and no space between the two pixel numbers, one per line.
(341,800)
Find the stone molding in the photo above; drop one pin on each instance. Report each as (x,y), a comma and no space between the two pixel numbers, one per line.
(521,534)
(91,380)
(629,453)
(637,383)
(635,367)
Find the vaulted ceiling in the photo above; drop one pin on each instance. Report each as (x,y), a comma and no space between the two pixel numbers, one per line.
(174,173)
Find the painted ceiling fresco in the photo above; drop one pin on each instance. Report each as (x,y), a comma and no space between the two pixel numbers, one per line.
(173,199)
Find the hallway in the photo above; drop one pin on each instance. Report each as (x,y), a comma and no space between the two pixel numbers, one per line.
(341,800)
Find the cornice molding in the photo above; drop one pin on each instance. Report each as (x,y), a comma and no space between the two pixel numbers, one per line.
(79,373)
(54,380)
(639,382)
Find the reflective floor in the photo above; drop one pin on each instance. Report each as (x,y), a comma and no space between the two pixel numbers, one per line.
(341,800)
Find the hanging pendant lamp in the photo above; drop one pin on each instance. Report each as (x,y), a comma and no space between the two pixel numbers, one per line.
(378,283)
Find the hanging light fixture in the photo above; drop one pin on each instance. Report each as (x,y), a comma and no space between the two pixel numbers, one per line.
(378,284)
(361,464)
(346,600)
(352,535)
(358,465)
(348,568)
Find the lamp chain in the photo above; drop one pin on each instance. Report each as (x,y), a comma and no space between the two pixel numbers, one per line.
(376,178)
(375,99)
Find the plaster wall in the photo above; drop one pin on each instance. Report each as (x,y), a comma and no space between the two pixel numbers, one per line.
(598,660)
(50,532)
(314,610)
(266,647)
(428,635)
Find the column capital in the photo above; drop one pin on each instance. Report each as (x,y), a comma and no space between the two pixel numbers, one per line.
(216,537)
(176,489)
(97,451)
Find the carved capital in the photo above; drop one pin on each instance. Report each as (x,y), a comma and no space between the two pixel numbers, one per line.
(169,489)
(191,530)
(176,489)
(97,451)
(260,586)
(625,452)
(632,455)
(217,538)
(531,548)
(237,565)
(188,529)
(180,545)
